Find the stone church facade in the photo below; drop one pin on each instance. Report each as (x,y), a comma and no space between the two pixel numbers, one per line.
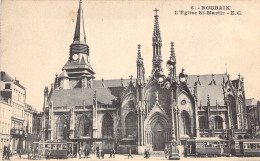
(139,113)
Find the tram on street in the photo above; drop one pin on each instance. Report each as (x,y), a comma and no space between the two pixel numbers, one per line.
(200,147)
(55,150)
(245,147)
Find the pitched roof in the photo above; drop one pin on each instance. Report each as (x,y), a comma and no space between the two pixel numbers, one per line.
(251,102)
(215,92)
(111,83)
(77,96)
(206,79)
(5,77)
(77,64)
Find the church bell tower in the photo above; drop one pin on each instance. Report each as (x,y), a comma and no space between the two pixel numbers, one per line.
(78,69)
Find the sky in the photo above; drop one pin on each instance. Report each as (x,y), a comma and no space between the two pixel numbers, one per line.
(36,35)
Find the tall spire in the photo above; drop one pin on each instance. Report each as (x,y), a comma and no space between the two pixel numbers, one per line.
(139,57)
(79,44)
(140,66)
(157,44)
(79,34)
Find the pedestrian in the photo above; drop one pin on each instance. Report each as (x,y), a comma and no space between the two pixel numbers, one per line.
(8,151)
(4,153)
(165,152)
(102,154)
(97,151)
(148,154)
(79,153)
(20,152)
(145,153)
(114,152)
(111,153)
(86,153)
(130,153)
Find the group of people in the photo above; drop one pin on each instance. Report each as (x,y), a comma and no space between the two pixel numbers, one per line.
(86,153)
(146,154)
(101,154)
(6,152)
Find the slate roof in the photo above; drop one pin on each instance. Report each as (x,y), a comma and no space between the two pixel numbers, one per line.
(77,96)
(251,102)
(215,92)
(7,78)
(76,64)
(112,83)
(206,79)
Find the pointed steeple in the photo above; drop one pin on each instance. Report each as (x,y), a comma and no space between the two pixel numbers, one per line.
(78,66)
(79,44)
(139,57)
(140,67)
(157,44)
(79,34)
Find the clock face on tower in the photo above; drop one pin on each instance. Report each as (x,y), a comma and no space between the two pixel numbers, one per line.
(75,56)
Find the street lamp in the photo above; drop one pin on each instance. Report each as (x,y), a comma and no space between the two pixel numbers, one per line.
(172,84)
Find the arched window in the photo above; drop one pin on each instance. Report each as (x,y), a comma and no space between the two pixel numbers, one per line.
(84,127)
(131,124)
(232,107)
(203,123)
(186,123)
(107,126)
(218,122)
(61,128)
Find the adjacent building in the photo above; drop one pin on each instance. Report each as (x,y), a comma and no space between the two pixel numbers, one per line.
(5,122)
(253,114)
(13,95)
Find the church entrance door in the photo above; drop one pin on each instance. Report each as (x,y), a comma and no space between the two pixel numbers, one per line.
(158,137)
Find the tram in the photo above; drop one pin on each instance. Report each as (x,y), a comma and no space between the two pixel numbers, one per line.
(245,147)
(53,149)
(200,147)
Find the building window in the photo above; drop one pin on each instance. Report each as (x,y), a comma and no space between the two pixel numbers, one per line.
(7,86)
(218,122)
(61,128)
(84,126)
(107,126)
(203,123)
(131,124)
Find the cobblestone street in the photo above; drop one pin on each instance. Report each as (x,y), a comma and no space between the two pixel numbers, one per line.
(141,157)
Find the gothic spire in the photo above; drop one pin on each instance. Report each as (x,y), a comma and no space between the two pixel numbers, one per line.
(140,66)
(79,44)
(139,57)
(156,31)
(157,44)
(79,34)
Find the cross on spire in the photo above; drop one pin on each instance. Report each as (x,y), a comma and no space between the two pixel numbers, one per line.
(155,10)
(131,77)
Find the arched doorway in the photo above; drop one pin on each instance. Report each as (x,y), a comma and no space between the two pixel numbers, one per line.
(107,126)
(218,122)
(131,125)
(61,128)
(158,137)
(157,131)
(84,127)
(186,123)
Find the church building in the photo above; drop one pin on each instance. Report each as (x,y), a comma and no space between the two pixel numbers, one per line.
(139,113)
